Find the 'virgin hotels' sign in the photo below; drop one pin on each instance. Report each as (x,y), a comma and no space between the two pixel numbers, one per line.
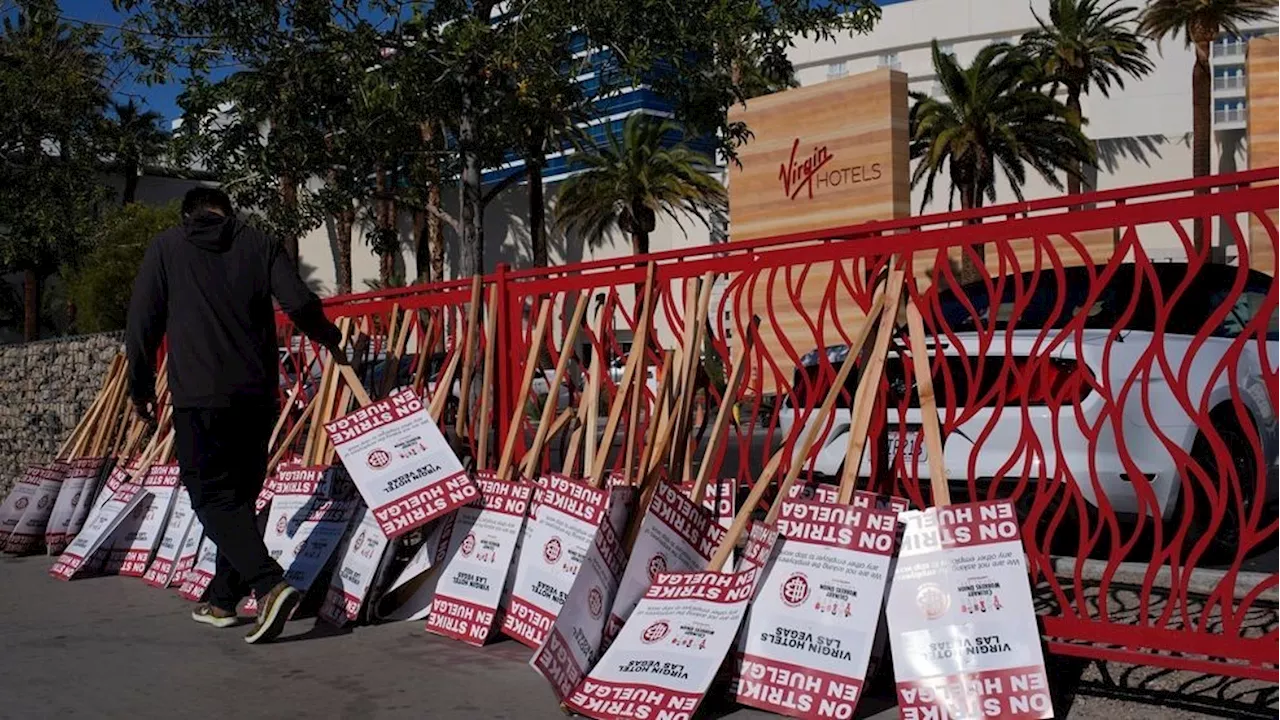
(822,156)
(798,177)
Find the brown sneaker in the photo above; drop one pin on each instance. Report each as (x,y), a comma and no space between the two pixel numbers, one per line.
(273,612)
(217,617)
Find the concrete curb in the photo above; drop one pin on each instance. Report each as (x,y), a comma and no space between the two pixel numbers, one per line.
(1201,581)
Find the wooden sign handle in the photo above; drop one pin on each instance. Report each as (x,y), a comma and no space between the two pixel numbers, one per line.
(689,377)
(290,436)
(486,385)
(865,398)
(522,393)
(460,427)
(928,407)
(553,388)
(639,343)
(720,429)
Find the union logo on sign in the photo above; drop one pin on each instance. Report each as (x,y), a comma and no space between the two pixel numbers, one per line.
(281,524)
(551,551)
(43,502)
(595,602)
(21,504)
(655,632)
(75,499)
(795,590)
(468,544)
(932,600)
(359,540)
(657,564)
(378,458)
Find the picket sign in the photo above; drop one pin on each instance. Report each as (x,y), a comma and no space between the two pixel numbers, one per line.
(188,553)
(566,516)
(134,544)
(675,536)
(402,465)
(409,597)
(360,553)
(808,636)
(719,498)
(97,530)
(668,653)
(577,638)
(121,474)
(197,579)
(96,470)
(81,479)
(962,625)
(172,541)
(483,542)
(27,534)
(302,533)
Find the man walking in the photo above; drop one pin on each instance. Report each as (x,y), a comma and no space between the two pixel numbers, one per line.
(208,284)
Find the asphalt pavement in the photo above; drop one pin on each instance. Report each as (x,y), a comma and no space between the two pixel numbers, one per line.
(113,647)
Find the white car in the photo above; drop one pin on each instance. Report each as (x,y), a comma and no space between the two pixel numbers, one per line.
(1085,391)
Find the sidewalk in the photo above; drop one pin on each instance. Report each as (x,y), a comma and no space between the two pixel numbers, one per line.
(113,647)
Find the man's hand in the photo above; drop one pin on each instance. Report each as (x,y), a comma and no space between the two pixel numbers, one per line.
(145,409)
(339,354)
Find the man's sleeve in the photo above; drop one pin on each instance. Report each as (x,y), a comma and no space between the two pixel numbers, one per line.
(145,326)
(298,302)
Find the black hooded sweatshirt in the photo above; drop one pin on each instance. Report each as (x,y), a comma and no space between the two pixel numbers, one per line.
(209,285)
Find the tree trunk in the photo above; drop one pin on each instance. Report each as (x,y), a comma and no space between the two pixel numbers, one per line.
(289,198)
(343,222)
(472,213)
(1076,116)
(30,305)
(384,217)
(435,234)
(421,263)
(1201,124)
(130,182)
(537,212)
(971,269)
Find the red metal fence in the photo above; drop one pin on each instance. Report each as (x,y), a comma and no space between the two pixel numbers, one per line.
(1091,361)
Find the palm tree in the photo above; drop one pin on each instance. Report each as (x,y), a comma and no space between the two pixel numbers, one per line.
(136,139)
(630,180)
(991,115)
(1087,44)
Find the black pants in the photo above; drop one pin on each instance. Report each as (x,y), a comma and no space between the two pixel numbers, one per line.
(223,456)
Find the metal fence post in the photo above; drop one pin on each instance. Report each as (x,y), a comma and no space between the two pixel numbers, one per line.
(506,329)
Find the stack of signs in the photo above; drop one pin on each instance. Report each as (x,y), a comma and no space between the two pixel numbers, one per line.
(577,637)
(482,545)
(133,550)
(675,536)
(188,553)
(670,650)
(97,530)
(73,503)
(361,553)
(181,521)
(565,518)
(197,579)
(961,623)
(304,528)
(404,468)
(809,633)
(28,532)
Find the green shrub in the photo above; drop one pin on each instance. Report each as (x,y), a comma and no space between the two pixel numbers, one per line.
(101,282)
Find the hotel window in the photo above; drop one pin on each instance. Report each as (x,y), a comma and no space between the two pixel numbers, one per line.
(837,70)
(889,60)
(947,49)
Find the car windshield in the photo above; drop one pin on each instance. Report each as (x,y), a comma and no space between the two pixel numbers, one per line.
(1034,308)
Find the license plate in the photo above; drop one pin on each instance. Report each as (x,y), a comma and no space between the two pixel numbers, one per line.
(910,444)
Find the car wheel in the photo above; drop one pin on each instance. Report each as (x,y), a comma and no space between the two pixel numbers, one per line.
(1225,533)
